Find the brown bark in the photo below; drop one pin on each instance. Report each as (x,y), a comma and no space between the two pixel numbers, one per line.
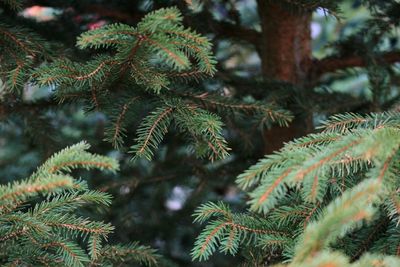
(332,64)
(286,42)
(285,53)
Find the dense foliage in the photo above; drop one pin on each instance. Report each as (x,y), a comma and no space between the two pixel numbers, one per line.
(185,95)
(48,232)
(320,193)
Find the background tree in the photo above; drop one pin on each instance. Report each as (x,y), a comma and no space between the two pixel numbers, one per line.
(269,68)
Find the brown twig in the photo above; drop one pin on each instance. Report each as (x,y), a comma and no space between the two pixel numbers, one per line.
(332,64)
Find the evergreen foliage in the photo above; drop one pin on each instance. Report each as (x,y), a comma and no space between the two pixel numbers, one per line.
(41,222)
(13,4)
(323,189)
(143,62)
(21,50)
(191,92)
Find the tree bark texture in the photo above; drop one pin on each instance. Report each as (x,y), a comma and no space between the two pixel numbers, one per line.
(285,54)
(286,42)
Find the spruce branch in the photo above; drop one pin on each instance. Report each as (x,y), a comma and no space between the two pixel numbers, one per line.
(267,112)
(312,167)
(321,188)
(74,157)
(151,132)
(227,230)
(23,50)
(141,62)
(50,232)
(132,253)
(341,216)
(204,129)
(117,132)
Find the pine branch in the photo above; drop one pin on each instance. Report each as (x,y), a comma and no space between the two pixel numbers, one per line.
(73,74)
(23,49)
(312,167)
(151,132)
(228,230)
(18,192)
(268,113)
(147,58)
(341,216)
(205,130)
(133,253)
(116,133)
(50,233)
(75,157)
(320,188)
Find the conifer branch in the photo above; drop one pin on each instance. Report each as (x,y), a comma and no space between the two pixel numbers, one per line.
(270,113)
(117,132)
(129,253)
(335,222)
(227,230)
(203,128)
(22,51)
(50,233)
(298,185)
(146,58)
(151,131)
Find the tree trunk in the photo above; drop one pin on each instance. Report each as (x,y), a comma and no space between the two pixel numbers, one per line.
(285,54)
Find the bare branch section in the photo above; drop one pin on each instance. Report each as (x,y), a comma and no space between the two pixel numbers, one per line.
(332,64)
(229,30)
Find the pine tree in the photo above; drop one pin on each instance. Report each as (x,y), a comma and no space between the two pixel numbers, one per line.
(186,95)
